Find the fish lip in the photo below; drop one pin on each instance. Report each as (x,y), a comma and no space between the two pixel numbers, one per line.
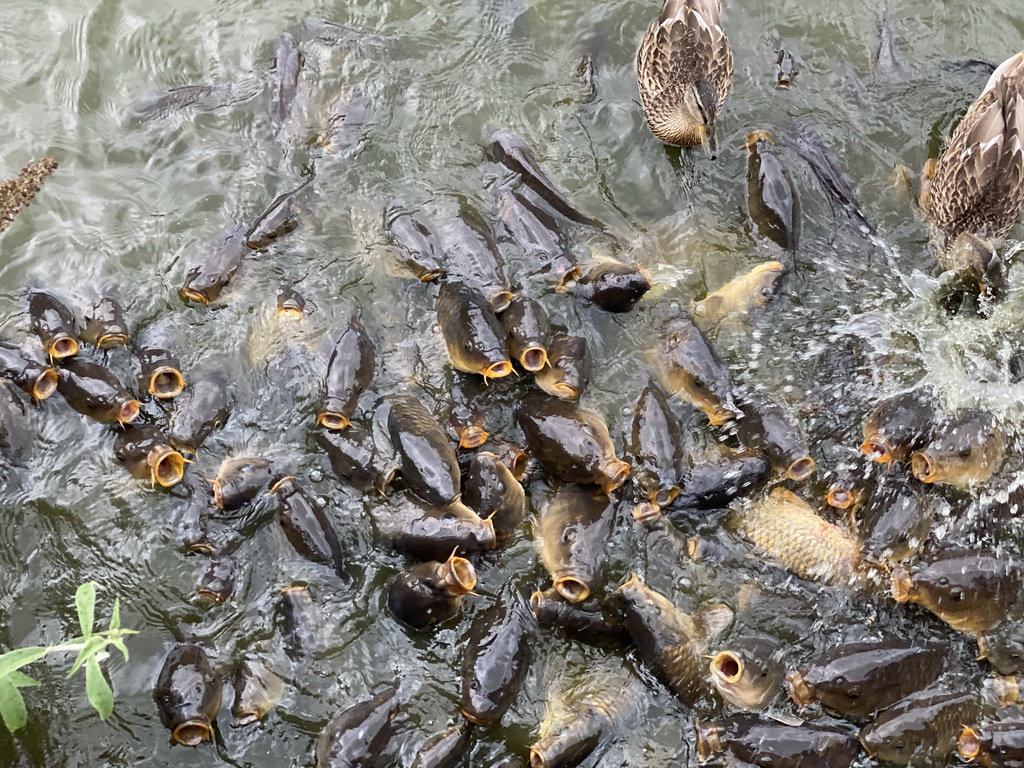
(166,382)
(708,741)
(877,448)
(922,466)
(210,595)
(289,313)
(724,661)
(475,719)
(840,498)
(568,279)
(721,416)
(167,466)
(45,384)
(332,420)
(968,745)
(472,437)
(572,589)
(902,586)
(534,358)
(430,274)
(497,370)
(535,599)
(614,475)
(192,732)
(754,136)
(501,300)
(646,510)
(665,496)
(801,469)
(798,689)
(62,346)
(565,391)
(458,575)
(192,295)
(128,411)
(281,482)
(536,758)
(111,340)
(243,719)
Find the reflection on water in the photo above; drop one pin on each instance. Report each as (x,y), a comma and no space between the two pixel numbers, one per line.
(140,191)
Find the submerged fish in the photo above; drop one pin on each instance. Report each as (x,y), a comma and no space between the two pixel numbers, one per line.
(771,197)
(742,296)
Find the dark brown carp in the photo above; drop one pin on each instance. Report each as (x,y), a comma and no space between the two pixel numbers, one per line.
(472,332)
(472,257)
(568,368)
(757,740)
(431,592)
(415,243)
(306,526)
(492,491)
(445,749)
(894,522)
(748,672)
(258,689)
(105,325)
(356,736)
(742,296)
(513,457)
(972,591)
(284,85)
(157,354)
(427,461)
(589,620)
(572,444)
(31,377)
(187,693)
(216,265)
(54,323)
(574,529)
(355,459)
(527,327)
(787,67)
(349,372)
(767,427)
(466,417)
(858,679)
(993,745)
(290,303)
(347,117)
(15,435)
(193,518)
(148,455)
(1003,647)
(204,409)
(510,150)
(655,447)
(715,485)
(899,425)
(496,660)
(217,580)
(672,644)
(772,201)
(537,232)
(240,480)
(921,730)
(689,367)
(965,451)
(282,216)
(96,392)
(302,624)
(612,286)
(426,532)
(785,528)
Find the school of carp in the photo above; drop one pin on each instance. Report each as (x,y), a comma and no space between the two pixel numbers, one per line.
(858,525)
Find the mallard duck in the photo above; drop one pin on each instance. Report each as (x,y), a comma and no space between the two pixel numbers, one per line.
(684,69)
(977,186)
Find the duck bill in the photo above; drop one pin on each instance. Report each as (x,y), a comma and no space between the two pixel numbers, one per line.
(708,141)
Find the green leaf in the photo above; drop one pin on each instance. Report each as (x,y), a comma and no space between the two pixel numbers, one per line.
(16,659)
(118,643)
(85,600)
(12,706)
(21,680)
(98,689)
(93,645)
(115,617)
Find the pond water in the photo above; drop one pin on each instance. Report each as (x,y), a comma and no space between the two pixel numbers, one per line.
(135,200)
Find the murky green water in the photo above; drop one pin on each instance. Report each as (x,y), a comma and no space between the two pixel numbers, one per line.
(132,203)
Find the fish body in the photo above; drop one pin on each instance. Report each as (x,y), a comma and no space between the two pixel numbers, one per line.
(655,447)
(772,201)
(492,491)
(258,689)
(355,459)
(899,425)
(574,529)
(612,286)
(473,334)
(306,526)
(187,694)
(568,368)
(527,328)
(757,740)
(148,455)
(431,592)
(432,533)
(963,452)
(766,426)
(54,323)
(349,372)
(282,216)
(742,296)
(158,357)
(920,730)
(356,736)
(31,377)
(216,264)
(748,672)
(472,257)
(415,243)
(96,392)
(427,461)
(105,325)
(203,409)
(240,480)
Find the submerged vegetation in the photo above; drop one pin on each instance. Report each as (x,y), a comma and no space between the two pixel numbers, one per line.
(15,194)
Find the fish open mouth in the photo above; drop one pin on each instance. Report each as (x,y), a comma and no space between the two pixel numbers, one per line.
(902,586)
(196,296)
(709,742)
(565,391)
(166,465)
(537,759)
(572,589)
(665,496)
(332,420)
(727,667)
(127,412)
(799,691)
(567,279)
(166,382)
(45,384)
(289,312)
(839,497)
(801,469)
(501,300)
(458,575)
(756,136)
(877,449)
(968,744)
(111,340)
(534,358)
(721,416)
(646,510)
(192,733)
(430,274)
(923,467)
(62,346)
(614,475)
(498,370)
(473,436)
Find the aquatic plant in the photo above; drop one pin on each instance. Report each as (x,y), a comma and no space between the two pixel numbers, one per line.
(91,647)
(15,194)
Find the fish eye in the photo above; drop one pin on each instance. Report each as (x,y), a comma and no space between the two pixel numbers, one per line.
(943,582)
(468,345)
(956,594)
(854,693)
(698,381)
(673,340)
(965,453)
